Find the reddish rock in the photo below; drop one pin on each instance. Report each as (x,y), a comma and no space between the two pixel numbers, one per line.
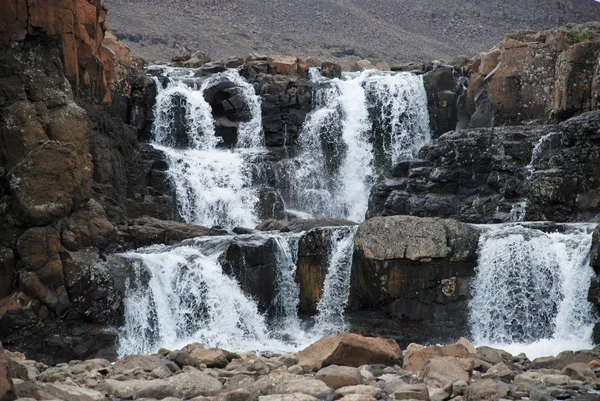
(414,360)
(7,268)
(347,349)
(213,358)
(286,65)
(489,61)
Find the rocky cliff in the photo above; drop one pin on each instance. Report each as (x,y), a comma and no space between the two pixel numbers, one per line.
(514,137)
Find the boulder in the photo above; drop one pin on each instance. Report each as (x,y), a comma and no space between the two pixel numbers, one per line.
(212,358)
(358,397)
(500,372)
(468,345)
(287,397)
(414,360)
(88,226)
(286,383)
(192,383)
(361,389)
(487,389)
(362,65)
(147,363)
(339,376)
(7,271)
(146,231)
(60,177)
(579,371)
(134,389)
(349,349)
(412,392)
(286,65)
(440,372)
(7,389)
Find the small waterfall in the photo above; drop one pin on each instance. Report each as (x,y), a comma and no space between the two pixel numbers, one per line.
(336,289)
(213,186)
(530,291)
(336,167)
(179,294)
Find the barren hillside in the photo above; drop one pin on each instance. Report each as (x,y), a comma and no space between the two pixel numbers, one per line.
(389,30)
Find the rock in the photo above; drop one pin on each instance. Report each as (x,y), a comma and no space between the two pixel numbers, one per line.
(73,393)
(539,393)
(339,376)
(283,65)
(487,390)
(87,227)
(147,363)
(286,383)
(147,231)
(182,358)
(7,389)
(362,65)
(442,97)
(331,70)
(579,371)
(240,394)
(412,392)
(348,349)
(416,359)
(563,359)
(61,178)
(358,397)
(134,389)
(443,371)
(468,345)
(287,397)
(361,389)
(489,61)
(459,388)
(500,371)
(192,383)
(212,358)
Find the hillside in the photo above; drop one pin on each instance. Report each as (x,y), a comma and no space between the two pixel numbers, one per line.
(387,30)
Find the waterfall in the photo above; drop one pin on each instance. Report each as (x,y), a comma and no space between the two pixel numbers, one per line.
(336,288)
(213,186)
(530,290)
(354,120)
(179,294)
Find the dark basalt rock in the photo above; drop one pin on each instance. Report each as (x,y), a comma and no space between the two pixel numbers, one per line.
(414,271)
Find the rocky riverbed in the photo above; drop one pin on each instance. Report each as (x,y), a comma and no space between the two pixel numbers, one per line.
(342,366)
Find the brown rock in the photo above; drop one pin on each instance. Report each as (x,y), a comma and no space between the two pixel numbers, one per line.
(213,358)
(147,363)
(286,65)
(339,376)
(412,392)
(38,247)
(414,360)
(487,390)
(349,349)
(579,371)
(468,345)
(7,269)
(489,61)
(148,230)
(24,133)
(59,177)
(331,70)
(88,226)
(443,371)
(7,389)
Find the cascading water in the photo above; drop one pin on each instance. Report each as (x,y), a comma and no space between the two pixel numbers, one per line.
(213,186)
(530,291)
(337,164)
(336,288)
(179,294)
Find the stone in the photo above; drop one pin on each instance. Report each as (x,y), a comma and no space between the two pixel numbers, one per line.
(88,226)
(440,372)
(579,371)
(361,389)
(7,389)
(239,394)
(286,65)
(416,359)
(134,389)
(468,345)
(489,61)
(287,397)
(500,371)
(192,383)
(349,349)
(285,383)
(146,231)
(487,389)
(182,358)
(362,65)
(73,393)
(412,392)
(331,70)
(358,397)
(147,363)
(212,358)
(339,376)
(59,176)
(540,393)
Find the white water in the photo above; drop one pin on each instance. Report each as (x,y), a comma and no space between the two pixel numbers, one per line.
(336,288)
(180,295)
(335,169)
(530,291)
(213,186)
